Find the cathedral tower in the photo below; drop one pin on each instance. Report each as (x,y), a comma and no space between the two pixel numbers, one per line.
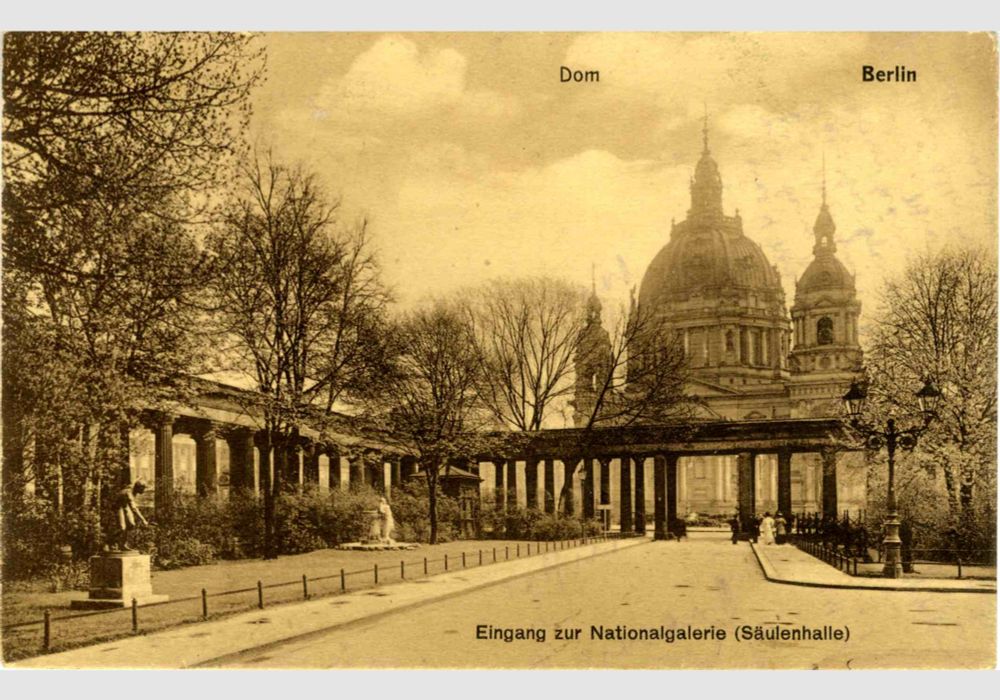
(826,353)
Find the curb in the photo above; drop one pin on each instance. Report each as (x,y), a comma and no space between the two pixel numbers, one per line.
(162,641)
(772,575)
(220,661)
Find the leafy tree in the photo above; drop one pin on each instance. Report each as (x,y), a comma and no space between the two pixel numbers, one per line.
(938,319)
(111,143)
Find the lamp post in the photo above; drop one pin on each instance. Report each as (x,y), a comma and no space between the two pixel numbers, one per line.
(892,436)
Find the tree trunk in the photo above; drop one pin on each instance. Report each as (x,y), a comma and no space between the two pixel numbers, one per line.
(432,502)
(268,495)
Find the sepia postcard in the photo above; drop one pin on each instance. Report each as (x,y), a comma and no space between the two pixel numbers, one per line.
(522,350)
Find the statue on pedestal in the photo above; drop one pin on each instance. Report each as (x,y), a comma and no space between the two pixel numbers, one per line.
(127,514)
(386,522)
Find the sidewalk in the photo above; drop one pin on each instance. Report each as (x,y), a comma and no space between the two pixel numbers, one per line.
(787,563)
(209,642)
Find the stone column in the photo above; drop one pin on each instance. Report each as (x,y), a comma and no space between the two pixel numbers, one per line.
(531,482)
(550,486)
(395,474)
(569,466)
(333,462)
(719,479)
(605,481)
(296,472)
(829,458)
(205,463)
(356,470)
(640,494)
(682,470)
(241,467)
(626,495)
(163,460)
(588,488)
(498,489)
(310,466)
(670,469)
(511,484)
(407,467)
(745,464)
(659,498)
(785,482)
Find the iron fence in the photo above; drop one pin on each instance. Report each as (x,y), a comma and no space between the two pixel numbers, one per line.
(204,604)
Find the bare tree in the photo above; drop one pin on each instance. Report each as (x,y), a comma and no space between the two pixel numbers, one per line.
(288,276)
(640,373)
(633,375)
(939,319)
(527,332)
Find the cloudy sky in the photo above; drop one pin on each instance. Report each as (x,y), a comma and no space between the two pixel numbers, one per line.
(471,159)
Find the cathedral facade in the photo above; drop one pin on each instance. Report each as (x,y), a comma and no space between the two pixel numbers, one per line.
(748,357)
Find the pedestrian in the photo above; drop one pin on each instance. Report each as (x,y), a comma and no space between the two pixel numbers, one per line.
(767,529)
(755,527)
(780,528)
(734,525)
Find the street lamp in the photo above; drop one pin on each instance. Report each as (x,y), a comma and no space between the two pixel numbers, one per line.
(891,437)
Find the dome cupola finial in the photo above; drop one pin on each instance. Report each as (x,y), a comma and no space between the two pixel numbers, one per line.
(824,228)
(704,132)
(706,186)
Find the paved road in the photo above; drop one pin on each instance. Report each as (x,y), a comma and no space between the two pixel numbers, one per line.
(703,582)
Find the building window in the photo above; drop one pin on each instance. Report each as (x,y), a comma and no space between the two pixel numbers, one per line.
(824,331)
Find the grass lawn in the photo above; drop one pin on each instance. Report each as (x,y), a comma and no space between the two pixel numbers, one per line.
(282,580)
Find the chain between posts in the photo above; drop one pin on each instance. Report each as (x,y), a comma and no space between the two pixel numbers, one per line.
(203,596)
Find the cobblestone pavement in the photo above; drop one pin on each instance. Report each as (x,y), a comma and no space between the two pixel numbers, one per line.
(660,587)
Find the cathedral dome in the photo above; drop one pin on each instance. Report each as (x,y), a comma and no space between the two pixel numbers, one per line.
(709,257)
(825,272)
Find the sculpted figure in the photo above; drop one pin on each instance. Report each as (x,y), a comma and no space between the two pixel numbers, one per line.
(386,523)
(128,513)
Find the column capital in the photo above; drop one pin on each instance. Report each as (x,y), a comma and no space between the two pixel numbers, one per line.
(207,429)
(157,419)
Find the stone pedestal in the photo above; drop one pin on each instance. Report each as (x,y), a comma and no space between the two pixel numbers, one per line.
(117,578)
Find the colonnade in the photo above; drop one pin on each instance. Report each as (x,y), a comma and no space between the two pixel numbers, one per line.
(326,465)
(638,488)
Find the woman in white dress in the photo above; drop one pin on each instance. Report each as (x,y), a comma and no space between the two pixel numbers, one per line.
(767,529)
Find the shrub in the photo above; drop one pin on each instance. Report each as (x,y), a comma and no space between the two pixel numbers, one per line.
(531,524)
(411,511)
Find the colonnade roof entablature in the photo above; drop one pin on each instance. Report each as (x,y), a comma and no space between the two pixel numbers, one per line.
(689,439)
(231,408)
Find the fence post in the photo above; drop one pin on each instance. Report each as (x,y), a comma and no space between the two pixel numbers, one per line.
(959,559)
(517,551)
(480,557)
(463,560)
(305,587)
(494,555)
(445,562)
(402,569)
(135,615)
(343,581)
(204,604)
(425,566)
(506,552)
(260,594)
(47,638)
(375,570)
